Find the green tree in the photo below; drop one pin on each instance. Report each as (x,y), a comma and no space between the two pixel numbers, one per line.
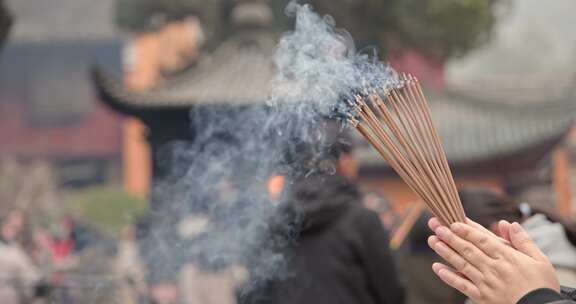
(109,209)
(439,28)
(149,15)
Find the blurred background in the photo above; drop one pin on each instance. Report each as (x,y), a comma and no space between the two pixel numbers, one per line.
(90,92)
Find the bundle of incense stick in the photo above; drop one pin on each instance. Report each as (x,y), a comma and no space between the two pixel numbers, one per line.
(398,124)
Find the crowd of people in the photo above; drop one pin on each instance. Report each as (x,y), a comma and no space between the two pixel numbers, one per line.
(506,253)
(34,262)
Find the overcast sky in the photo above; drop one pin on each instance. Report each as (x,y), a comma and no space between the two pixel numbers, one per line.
(534,43)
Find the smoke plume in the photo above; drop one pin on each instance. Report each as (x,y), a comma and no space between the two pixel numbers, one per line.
(215,210)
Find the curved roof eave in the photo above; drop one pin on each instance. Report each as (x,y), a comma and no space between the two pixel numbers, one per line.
(238,73)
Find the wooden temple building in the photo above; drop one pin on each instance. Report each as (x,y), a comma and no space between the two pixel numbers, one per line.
(495,143)
(236,73)
(48,111)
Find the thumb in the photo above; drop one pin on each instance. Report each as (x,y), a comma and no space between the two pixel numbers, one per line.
(523,242)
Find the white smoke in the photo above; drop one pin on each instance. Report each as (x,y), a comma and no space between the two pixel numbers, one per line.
(220,177)
(318,64)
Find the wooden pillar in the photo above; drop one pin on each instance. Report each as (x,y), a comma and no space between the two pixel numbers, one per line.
(142,71)
(167,49)
(561,181)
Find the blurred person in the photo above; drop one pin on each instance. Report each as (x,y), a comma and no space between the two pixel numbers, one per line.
(82,235)
(379,204)
(202,281)
(62,243)
(555,237)
(341,254)
(42,251)
(416,258)
(129,269)
(64,259)
(19,277)
(214,286)
(506,268)
(164,292)
(160,274)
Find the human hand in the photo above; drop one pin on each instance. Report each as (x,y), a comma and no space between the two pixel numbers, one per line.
(484,267)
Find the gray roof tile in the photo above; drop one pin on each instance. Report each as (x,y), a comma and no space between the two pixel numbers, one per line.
(238,72)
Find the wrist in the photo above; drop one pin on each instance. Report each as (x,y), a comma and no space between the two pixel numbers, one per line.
(540,296)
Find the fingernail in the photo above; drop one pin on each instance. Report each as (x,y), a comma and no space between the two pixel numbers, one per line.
(516,227)
(442,232)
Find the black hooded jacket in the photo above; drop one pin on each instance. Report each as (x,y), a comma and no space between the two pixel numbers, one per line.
(341,255)
(549,296)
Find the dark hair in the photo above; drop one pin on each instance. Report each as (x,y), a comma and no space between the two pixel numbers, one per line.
(487,207)
(307,156)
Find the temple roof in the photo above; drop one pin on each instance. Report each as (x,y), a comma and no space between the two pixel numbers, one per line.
(238,72)
(475,130)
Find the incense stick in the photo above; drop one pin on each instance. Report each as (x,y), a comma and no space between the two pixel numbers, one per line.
(400,234)
(399,126)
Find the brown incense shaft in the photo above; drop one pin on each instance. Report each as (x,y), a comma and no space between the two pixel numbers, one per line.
(400,234)
(400,128)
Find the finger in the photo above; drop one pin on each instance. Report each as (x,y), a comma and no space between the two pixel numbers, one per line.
(488,243)
(523,242)
(465,249)
(450,277)
(434,223)
(504,230)
(476,225)
(454,259)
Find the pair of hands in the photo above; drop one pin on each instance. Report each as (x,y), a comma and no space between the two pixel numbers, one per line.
(489,268)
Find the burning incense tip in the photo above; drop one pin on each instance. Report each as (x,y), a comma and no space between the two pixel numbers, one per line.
(353,121)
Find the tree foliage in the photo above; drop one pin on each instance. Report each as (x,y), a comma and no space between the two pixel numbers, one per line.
(108,209)
(445,27)
(147,15)
(439,28)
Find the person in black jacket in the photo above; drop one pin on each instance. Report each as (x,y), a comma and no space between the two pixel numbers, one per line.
(341,254)
(491,270)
